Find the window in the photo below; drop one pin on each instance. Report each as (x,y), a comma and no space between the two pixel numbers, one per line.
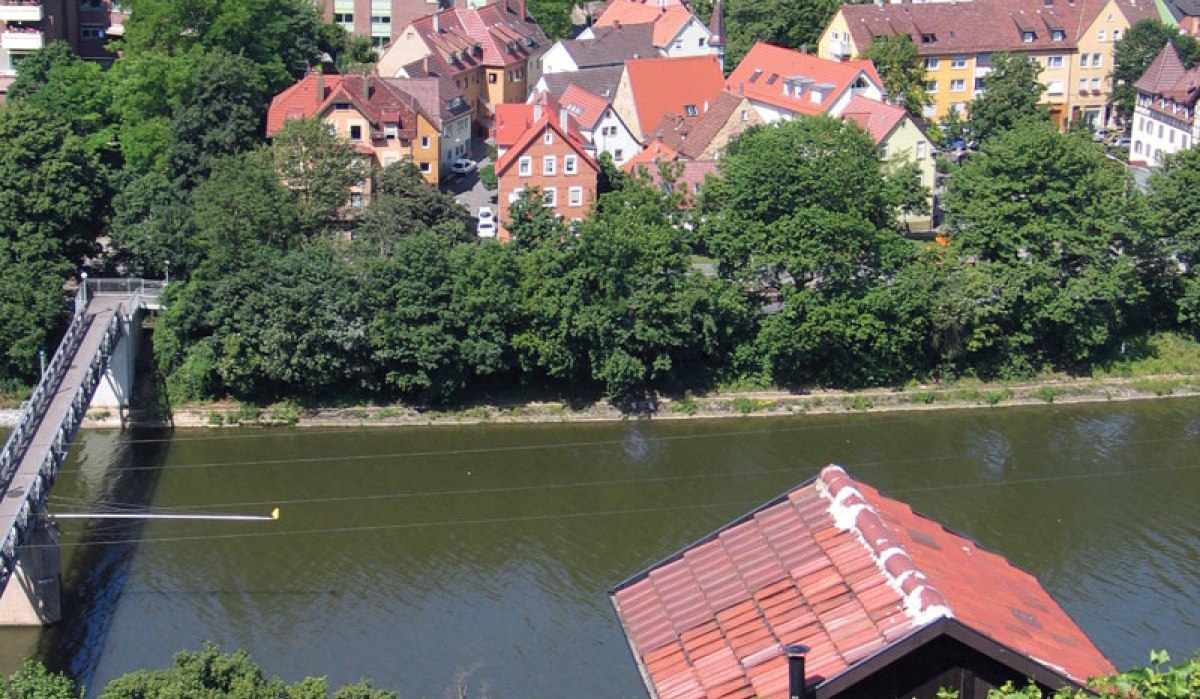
(341,106)
(701,42)
(745,115)
(570,164)
(978,84)
(1028,37)
(1054,87)
(491,78)
(690,110)
(381,19)
(678,44)
(1096,84)
(425,167)
(931,86)
(549,163)
(91,33)
(356,200)
(772,78)
(1171,136)
(958,85)
(424,141)
(548,137)
(1097,60)
(1160,130)
(928,38)
(1137,147)
(343,17)
(1101,35)
(1116,34)
(550,196)
(1058,35)
(575,196)
(921,149)
(1083,84)
(1054,61)
(928,111)
(91,4)
(1083,60)
(524,166)
(755,75)
(958,62)
(883,151)
(618,155)
(355,132)
(932,63)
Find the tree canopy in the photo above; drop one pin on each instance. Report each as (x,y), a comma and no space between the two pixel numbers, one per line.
(1011,91)
(902,70)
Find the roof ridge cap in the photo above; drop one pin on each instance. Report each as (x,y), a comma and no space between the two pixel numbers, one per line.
(852,512)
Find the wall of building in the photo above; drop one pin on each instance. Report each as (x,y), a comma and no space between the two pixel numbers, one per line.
(558,60)
(1156,135)
(908,144)
(406,48)
(742,118)
(691,40)
(612,136)
(1097,40)
(426,150)
(512,182)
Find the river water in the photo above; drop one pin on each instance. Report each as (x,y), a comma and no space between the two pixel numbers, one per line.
(413,555)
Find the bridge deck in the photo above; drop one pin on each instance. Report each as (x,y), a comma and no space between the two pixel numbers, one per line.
(100,310)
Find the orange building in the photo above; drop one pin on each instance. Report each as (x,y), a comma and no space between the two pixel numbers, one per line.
(550,155)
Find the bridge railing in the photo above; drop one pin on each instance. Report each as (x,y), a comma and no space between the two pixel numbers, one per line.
(33,499)
(125,287)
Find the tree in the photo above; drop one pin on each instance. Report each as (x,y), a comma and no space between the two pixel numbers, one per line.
(219,114)
(1044,222)
(1173,255)
(1137,49)
(1010,96)
(319,168)
(531,224)
(32,312)
(904,181)
(243,209)
(403,203)
(553,16)
(902,70)
(34,681)
(34,71)
(152,224)
(792,24)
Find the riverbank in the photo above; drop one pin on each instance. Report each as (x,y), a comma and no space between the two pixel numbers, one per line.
(960,395)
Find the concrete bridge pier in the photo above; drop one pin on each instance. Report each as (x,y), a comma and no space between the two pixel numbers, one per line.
(116,388)
(33,595)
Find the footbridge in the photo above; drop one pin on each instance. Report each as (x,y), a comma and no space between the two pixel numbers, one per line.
(93,367)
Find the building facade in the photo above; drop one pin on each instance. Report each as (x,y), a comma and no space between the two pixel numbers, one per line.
(28,25)
(1164,120)
(783,84)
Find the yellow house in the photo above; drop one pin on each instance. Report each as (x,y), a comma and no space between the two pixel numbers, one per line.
(900,140)
(492,53)
(957,40)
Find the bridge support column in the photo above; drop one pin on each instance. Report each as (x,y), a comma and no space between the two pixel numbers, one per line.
(33,594)
(116,387)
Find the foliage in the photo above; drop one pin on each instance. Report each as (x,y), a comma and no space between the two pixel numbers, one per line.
(405,204)
(487,175)
(57,81)
(792,24)
(34,681)
(1156,681)
(901,69)
(553,16)
(318,168)
(1011,91)
(1137,49)
(1174,246)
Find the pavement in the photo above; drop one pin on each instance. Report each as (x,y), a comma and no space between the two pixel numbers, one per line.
(468,190)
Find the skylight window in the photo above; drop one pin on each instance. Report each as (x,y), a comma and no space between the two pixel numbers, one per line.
(690,110)
(756,75)
(771,80)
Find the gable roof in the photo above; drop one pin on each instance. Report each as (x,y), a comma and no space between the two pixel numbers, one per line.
(690,137)
(838,567)
(583,105)
(662,85)
(612,45)
(1163,72)
(767,70)
(667,17)
(462,38)
(512,120)
(876,118)
(546,121)
(379,100)
(600,81)
(650,156)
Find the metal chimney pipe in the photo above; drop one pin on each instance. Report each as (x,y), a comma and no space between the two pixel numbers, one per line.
(796,683)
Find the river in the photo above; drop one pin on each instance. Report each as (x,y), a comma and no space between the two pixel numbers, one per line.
(411,555)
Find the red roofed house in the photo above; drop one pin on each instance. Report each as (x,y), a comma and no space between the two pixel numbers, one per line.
(783,84)
(900,140)
(600,124)
(551,156)
(705,137)
(677,32)
(650,88)
(1164,120)
(381,118)
(491,53)
(833,590)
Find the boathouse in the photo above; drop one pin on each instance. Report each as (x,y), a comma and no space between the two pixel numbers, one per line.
(834,590)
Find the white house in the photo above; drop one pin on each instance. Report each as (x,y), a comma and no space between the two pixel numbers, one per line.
(1164,120)
(783,84)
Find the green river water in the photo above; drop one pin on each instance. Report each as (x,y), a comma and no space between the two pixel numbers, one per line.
(408,555)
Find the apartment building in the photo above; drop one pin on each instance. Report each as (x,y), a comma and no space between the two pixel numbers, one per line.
(1164,120)
(1072,40)
(28,25)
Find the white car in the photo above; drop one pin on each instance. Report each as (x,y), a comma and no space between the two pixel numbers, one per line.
(485,214)
(486,228)
(462,166)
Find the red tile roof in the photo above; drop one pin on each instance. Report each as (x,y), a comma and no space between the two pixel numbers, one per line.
(512,120)
(650,156)
(378,99)
(875,117)
(767,69)
(668,17)
(583,105)
(662,85)
(501,35)
(547,121)
(1163,73)
(838,567)
(691,137)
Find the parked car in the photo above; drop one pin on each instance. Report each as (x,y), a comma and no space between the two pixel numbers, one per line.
(1121,142)
(485,214)
(486,228)
(463,166)
(1101,135)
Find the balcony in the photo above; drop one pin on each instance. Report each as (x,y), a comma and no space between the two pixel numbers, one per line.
(12,39)
(20,11)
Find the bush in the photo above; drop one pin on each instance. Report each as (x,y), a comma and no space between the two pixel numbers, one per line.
(487,175)
(1046,393)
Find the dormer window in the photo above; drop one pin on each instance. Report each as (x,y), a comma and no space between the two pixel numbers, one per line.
(928,38)
(690,110)
(1058,35)
(771,80)
(1028,36)
(341,106)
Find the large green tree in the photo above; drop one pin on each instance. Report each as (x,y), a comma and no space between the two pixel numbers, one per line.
(1136,50)
(402,204)
(901,69)
(1010,96)
(1174,246)
(1043,224)
(789,23)
(319,168)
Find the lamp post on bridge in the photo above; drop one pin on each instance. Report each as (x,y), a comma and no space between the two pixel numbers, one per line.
(42,360)
(167,263)
(83,284)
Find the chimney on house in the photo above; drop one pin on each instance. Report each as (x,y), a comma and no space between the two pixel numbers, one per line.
(564,120)
(320,86)
(741,88)
(616,25)
(537,113)
(437,23)
(797,688)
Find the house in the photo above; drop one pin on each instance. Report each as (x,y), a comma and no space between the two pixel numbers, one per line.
(600,124)
(1164,120)
(600,81)
(609,46)
(900,140)
(491,54)
(1072,40)
(382,20)
(549,155)
(652,87)
(27,26)
(783,84)
(677,32)
(836,591)
(682,176)
(705,137)
(380,117)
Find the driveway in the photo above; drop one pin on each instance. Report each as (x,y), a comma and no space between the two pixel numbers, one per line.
(469,191)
